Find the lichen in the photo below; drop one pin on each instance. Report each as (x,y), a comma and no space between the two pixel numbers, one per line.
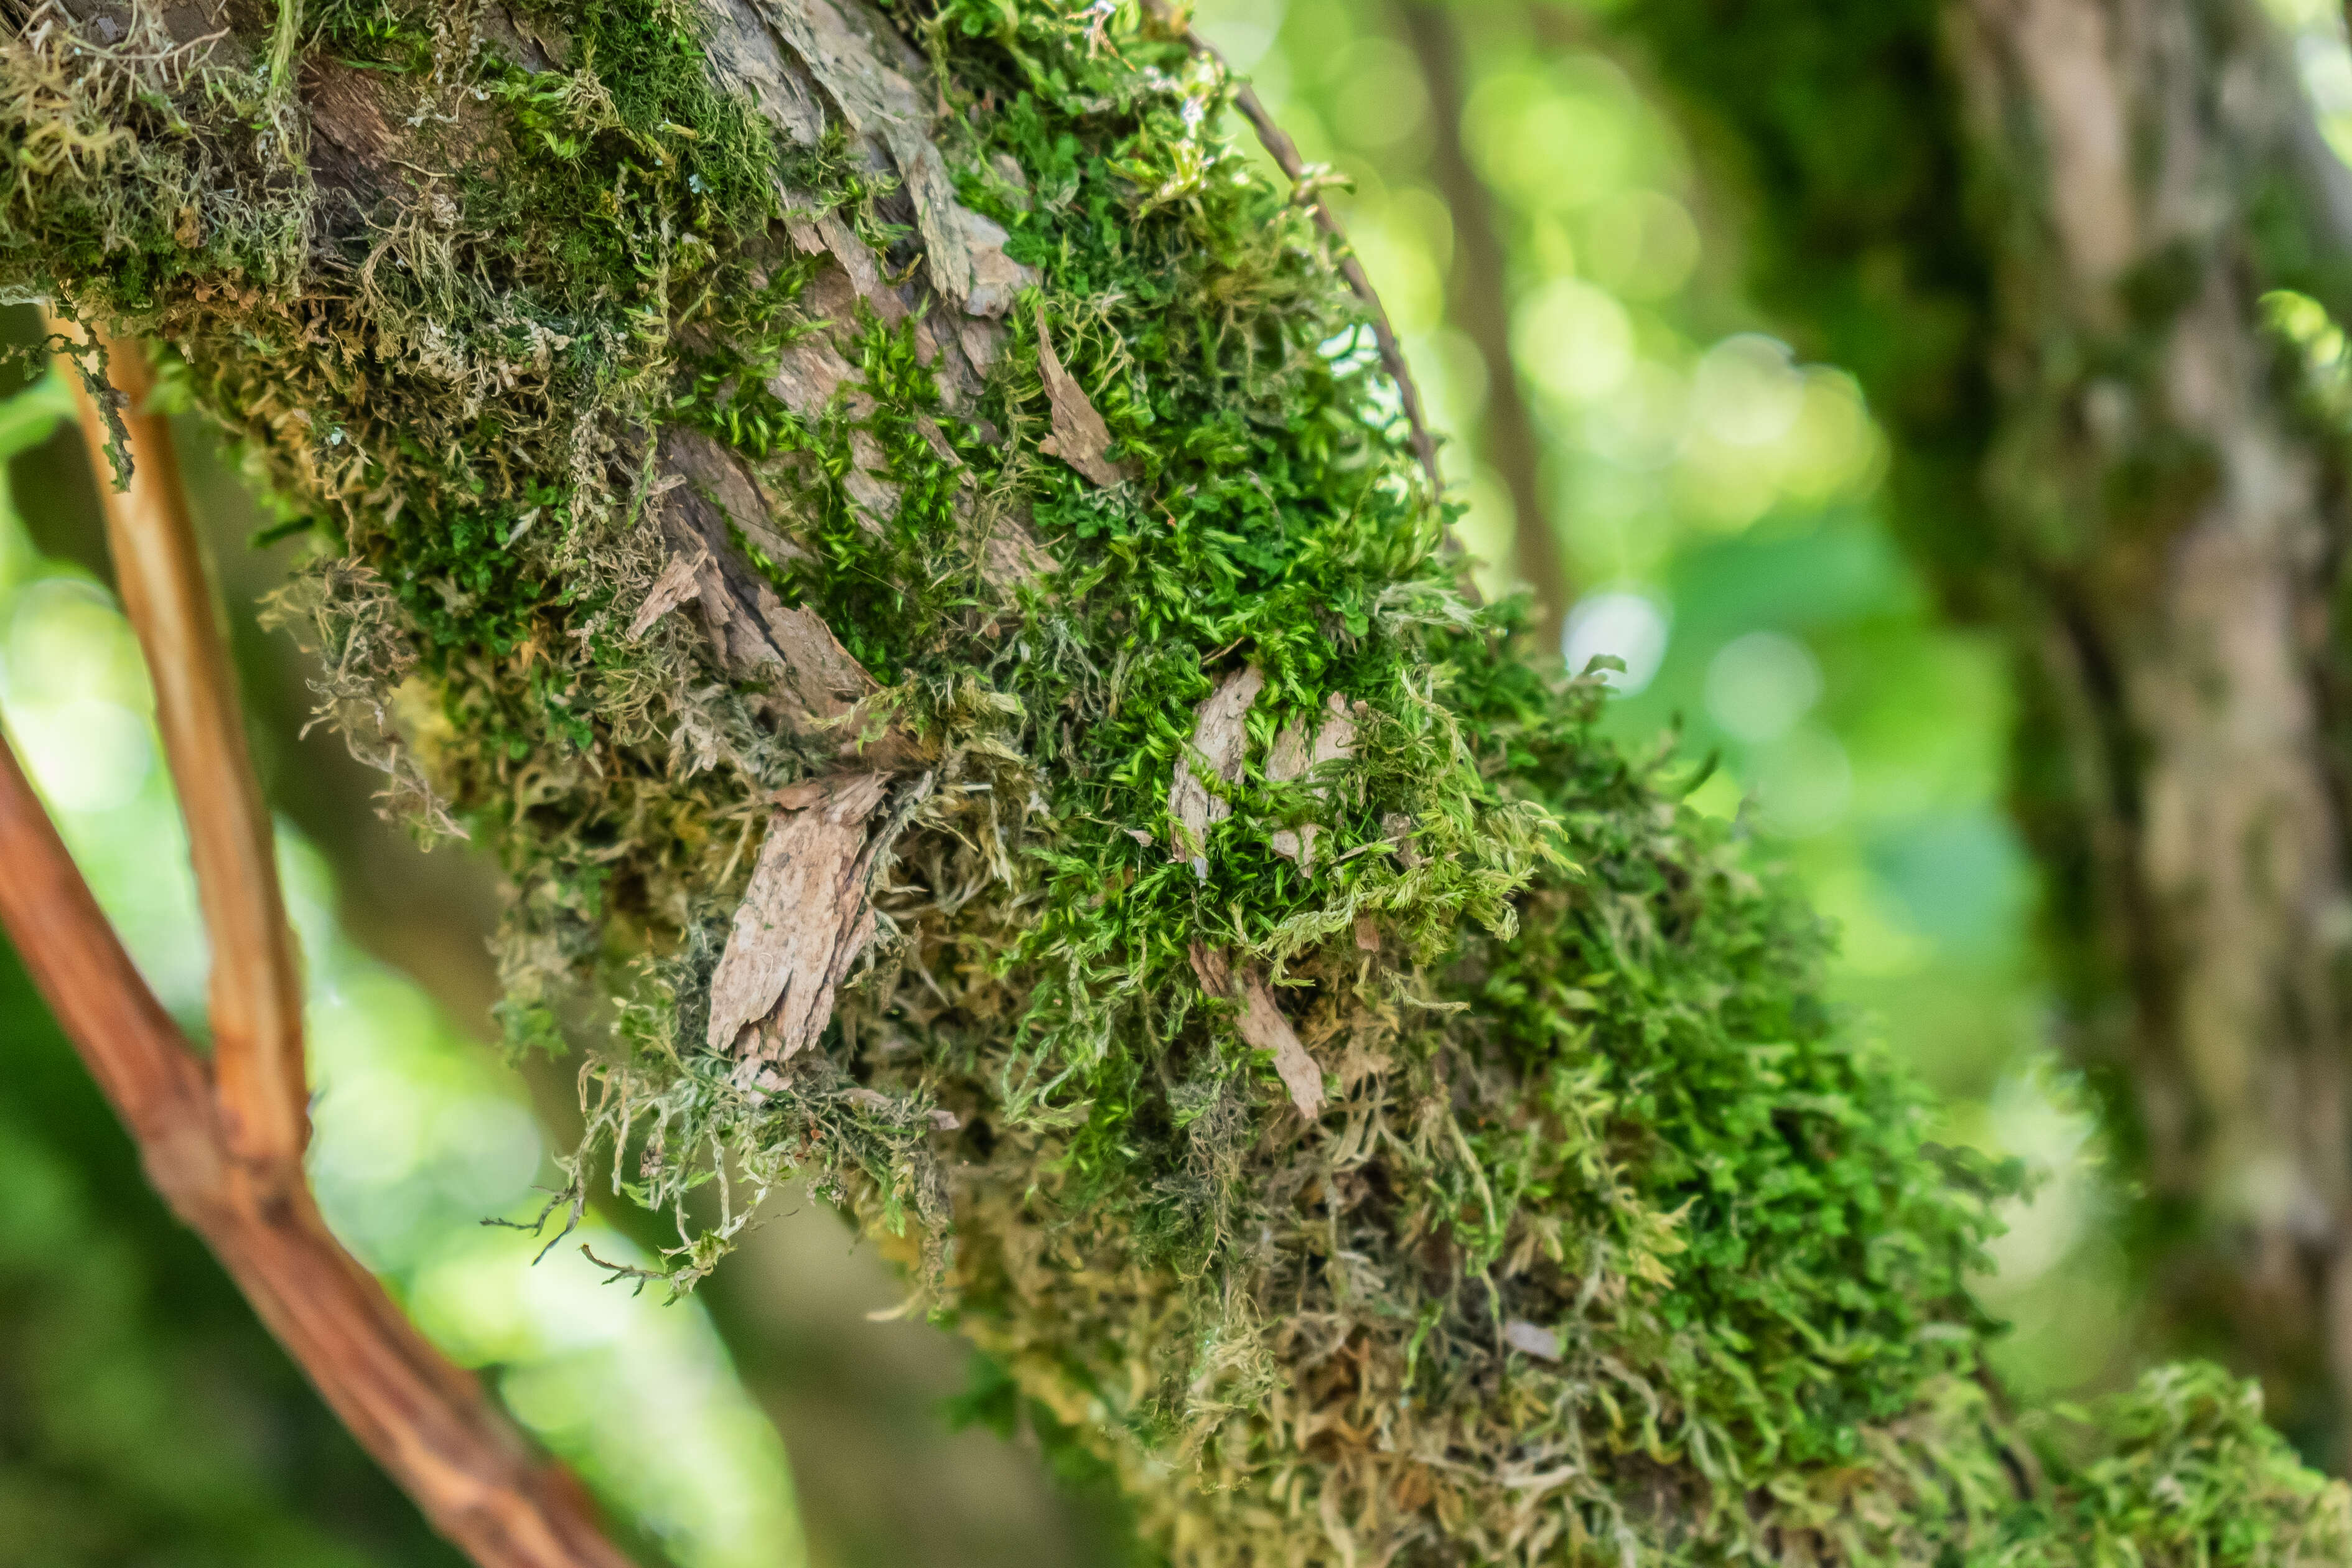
(1611,1243)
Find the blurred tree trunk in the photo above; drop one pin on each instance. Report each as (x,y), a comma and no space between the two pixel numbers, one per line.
(2174,524)
(2157,519)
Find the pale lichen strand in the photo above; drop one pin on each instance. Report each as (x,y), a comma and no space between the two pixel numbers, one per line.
(1611,1243)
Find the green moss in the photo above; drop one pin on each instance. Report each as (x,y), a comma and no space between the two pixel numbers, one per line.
(2180,1469)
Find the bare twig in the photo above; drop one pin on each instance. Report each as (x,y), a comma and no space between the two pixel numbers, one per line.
(1481,305)
(228,1157)
(425,1421)
(1285,152)
(255,1002)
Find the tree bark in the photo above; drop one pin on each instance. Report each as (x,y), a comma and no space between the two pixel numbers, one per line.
(2051,272)
(2176,525)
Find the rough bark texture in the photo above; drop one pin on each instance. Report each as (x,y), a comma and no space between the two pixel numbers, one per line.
(804,921)
(2176,522)
(1510,1196)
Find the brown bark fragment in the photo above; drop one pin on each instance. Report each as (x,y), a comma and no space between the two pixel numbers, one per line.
(1080,438)
(936,439)
(996,279)
(743,54)
(1012,555)
(1261,1025)
(1293,755)
(877,499)
(679,581)
(803,920)
(1220,740)
(808,373)
(979,343)
(863,271)
(1264,1026)
(726,480)
(817,671)
(1210,968)
(963,250)
(756,635)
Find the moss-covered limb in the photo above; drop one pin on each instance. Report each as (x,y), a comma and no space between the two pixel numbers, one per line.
(2053,285)
(610,392)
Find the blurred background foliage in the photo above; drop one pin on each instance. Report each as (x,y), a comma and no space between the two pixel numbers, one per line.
(1634,446)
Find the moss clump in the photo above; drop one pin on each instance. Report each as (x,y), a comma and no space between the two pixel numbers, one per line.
(1611,1244)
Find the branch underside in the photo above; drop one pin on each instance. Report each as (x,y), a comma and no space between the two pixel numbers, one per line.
(901,525)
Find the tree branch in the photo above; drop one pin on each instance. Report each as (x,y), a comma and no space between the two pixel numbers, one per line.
(229,1161)
(1481,304)
(255,999)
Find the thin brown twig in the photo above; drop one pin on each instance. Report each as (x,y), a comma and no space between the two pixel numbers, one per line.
(227,1157)
(425,1421)
(1285,152)
(256,998)
(1482,309)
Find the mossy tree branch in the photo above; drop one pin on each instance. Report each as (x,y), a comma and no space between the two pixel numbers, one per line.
(1031,771)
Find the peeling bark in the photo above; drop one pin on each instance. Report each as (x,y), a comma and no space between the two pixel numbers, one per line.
(1261,1023)
(1080,438)
(754,634)
(680,581)
(1219,742)
(963,252)
(803,920)
(1292,756)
